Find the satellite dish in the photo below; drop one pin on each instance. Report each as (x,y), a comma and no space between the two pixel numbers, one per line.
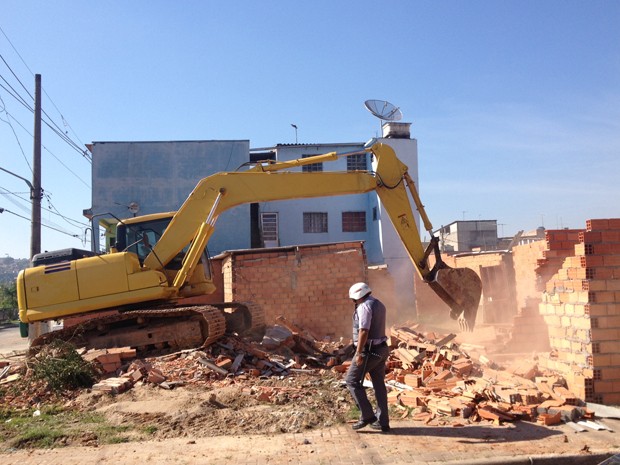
(383,110)
(134,207)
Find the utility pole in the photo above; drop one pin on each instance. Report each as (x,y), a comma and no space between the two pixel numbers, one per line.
(37,194)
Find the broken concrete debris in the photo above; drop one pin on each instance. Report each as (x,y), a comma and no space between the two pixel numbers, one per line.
(430,377)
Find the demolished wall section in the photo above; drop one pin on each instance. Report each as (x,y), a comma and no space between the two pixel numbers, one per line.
(535,263)
(308,285)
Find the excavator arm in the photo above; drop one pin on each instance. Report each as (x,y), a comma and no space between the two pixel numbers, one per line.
(122,280)
(194,222)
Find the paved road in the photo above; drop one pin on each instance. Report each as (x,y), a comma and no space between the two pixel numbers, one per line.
(10,341)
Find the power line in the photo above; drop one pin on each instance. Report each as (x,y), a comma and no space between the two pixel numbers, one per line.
(66,218)
(57,130)
(49,122)
(52,154)
(65,122)
(76,223)
(8,121)
(2,210)
(13,93)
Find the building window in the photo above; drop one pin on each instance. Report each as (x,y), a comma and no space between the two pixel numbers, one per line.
(313,167)
(315,222)
(353,221)
(269,226)
(357,162)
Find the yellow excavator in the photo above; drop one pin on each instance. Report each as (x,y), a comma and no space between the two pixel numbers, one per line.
(159,260)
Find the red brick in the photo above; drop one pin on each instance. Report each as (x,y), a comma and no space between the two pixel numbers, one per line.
(611,260)
(599,334)
(611,399)
(610,236)
(610,373)
(601,387)
(590,237)
(592,225)
(590,261)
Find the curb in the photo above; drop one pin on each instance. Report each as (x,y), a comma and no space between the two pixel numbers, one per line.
(552,459)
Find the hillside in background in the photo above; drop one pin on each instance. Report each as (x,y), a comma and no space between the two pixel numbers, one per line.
(9,267)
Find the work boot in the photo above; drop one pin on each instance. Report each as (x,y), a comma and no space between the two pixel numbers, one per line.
(360,424)
(376,425)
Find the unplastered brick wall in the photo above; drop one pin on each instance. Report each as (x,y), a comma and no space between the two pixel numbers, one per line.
(581,306)
(534,264)
(525,259)
(560,243)
(308,285)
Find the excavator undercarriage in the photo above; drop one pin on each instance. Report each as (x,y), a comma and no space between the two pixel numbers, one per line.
(164,327)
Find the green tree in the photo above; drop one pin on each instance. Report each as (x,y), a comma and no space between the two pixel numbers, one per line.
(8,300)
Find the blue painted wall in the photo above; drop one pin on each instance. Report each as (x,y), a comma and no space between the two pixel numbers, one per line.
(159,176)
(290,212)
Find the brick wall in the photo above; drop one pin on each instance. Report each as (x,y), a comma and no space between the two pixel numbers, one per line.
(529,330)
(581,306)
(526,259)
(308,285)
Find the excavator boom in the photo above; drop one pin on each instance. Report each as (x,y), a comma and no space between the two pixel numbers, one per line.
(460,289)
(124,279)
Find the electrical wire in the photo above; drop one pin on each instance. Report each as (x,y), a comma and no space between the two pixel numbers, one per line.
(70,221)
(51,124)
(13,93)
(2,210)
(52,154)
(48,121)
(8,121)
(67,219)
(65,123)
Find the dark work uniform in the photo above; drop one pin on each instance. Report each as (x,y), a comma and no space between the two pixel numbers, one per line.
(370,315)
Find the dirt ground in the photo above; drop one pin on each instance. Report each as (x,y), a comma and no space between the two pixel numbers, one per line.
(304,421)
(230,408)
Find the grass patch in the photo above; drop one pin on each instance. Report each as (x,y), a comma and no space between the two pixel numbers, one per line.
(353,413)
(150,429)
(58,427)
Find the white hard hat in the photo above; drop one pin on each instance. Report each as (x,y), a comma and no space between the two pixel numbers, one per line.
(359,290)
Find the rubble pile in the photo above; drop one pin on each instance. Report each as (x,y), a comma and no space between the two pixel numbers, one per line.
(430,377)
(434,378)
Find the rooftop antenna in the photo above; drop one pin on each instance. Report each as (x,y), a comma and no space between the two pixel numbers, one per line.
(383,110)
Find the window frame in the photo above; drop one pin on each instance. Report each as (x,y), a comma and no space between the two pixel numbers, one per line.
(354,221)
(315,222)
(354,164)
(312,167)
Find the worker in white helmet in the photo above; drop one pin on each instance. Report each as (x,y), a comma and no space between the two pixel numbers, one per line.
(371,353)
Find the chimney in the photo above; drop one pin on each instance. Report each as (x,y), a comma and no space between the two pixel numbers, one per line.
(394,130)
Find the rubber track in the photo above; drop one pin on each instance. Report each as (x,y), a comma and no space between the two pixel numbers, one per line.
(258,315)
(212,322)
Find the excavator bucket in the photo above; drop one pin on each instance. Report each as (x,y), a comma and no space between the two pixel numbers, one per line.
(460,289)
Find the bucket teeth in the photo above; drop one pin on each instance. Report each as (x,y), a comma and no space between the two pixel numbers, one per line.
(460,289)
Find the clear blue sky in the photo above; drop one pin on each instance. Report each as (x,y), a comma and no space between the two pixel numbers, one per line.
(515,104)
